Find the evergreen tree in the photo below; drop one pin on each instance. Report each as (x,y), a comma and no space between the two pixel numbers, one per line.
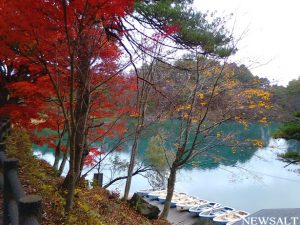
(290,131)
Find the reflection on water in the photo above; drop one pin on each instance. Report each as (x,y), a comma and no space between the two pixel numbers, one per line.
(250,179)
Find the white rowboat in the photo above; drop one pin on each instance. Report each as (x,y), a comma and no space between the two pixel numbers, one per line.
(188,203)
(231,217)
(194,211)
(216,212)
(155,194)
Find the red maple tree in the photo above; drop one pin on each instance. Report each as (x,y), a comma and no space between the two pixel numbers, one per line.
(73,79)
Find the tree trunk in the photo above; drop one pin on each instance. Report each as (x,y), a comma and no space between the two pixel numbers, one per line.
(80,150)
(56,156)
(77,162)
(170,190)
(69,181)
(80,118)
(3,95)
(131,166)
(85,153)
(83,103)
(142,105)
(63,163)
(71,190)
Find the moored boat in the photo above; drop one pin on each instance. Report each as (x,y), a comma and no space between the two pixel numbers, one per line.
(162,199)
(144,192)
(230,217)
(211,213)
(195,210)
(186,204)
(176,197)
(155,194)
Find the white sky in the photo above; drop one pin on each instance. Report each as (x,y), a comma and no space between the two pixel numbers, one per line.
(271,45)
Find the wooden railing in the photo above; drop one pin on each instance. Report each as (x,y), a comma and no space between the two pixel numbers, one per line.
(18,208)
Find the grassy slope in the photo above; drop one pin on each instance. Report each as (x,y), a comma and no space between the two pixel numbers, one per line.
(92,206)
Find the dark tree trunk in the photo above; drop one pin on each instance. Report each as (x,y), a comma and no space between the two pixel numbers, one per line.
(56,157)
(63,163)
(84,155)
(70,183)
(131,166)
(170,190)
(3,96)
(80,127)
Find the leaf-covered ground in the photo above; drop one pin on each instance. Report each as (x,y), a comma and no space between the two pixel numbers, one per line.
(92,206)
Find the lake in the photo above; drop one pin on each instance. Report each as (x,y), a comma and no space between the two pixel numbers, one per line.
(249,179)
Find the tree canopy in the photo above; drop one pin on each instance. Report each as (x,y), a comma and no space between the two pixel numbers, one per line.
(192,28)
(290,131)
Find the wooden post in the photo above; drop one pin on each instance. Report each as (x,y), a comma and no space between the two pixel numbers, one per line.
(30,206)
(98,179)
(8,164)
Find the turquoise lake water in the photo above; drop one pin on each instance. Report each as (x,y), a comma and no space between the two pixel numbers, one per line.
(250,179)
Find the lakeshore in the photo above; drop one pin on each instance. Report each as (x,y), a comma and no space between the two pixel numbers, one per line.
(252,179)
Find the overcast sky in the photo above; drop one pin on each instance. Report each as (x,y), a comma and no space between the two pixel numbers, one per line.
(271,44)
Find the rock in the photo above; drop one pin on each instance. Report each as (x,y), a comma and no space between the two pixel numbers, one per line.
(143,207)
